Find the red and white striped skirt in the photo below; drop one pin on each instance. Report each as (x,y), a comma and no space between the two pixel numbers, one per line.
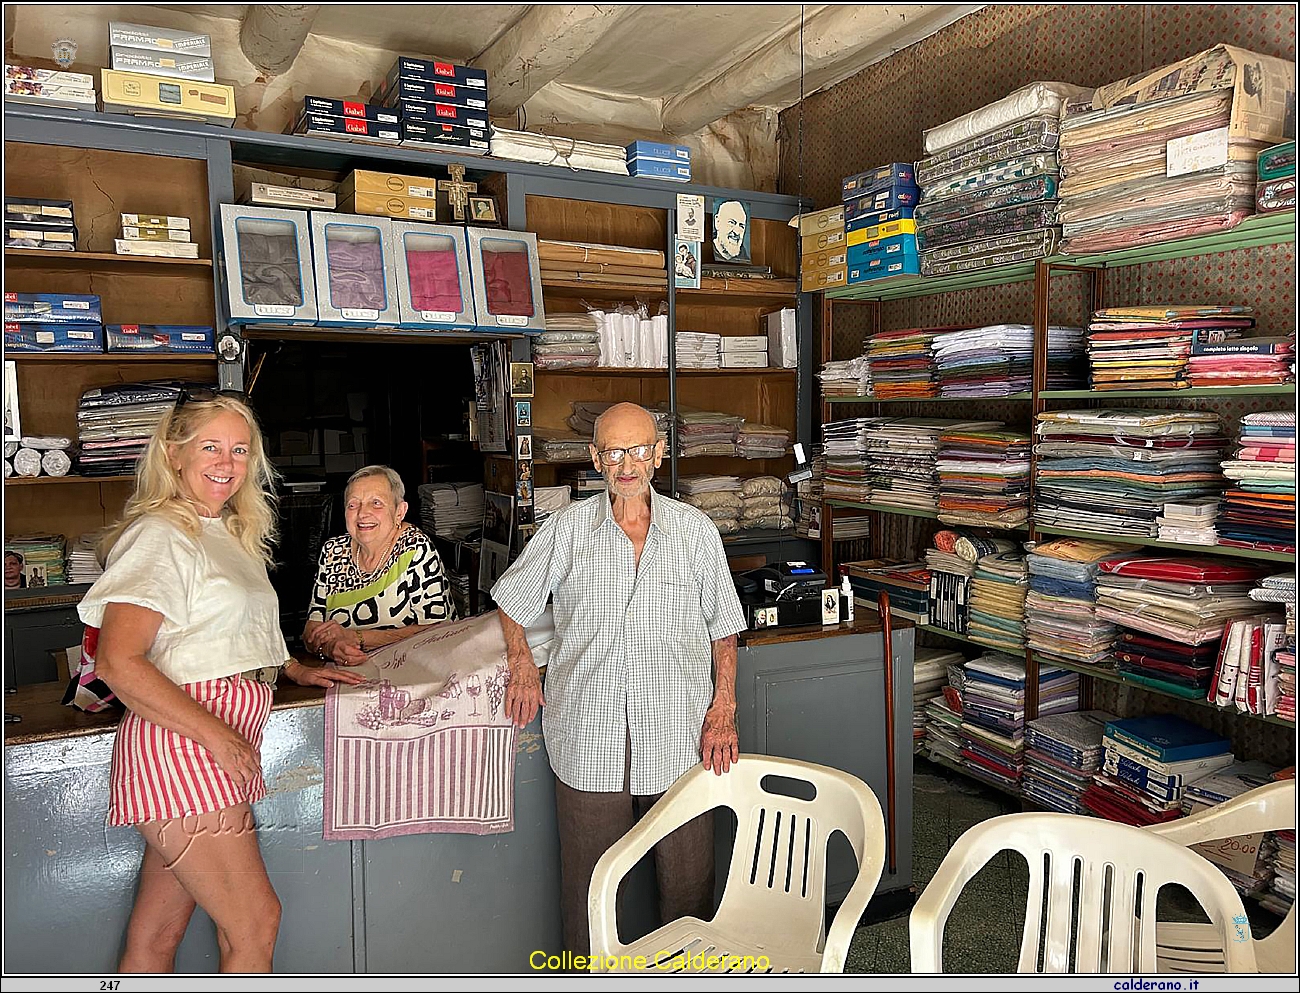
(158,774)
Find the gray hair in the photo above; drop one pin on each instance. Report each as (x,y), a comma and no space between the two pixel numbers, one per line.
(394,481)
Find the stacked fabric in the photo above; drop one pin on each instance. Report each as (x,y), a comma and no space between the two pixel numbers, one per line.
(1280,897)
(1062,754)
(765,504)
(997,361)
(582,418)
(41,559)
(706,432)
(993,714)
(1189,522)
(561,446)
(114,424)
(1246,675)
(846,378)
(1147,348)
(1112,471)
(570,341)
(903,458)
(1147,763)
(451,510)
(997,601)
(1259,510)
(845,447)
(1275,179)
(1279,654)
(83,560)
(1126,177)
(629,337)
(989,185)
(1061,622)
(1238,361)
(984,478)
(1220,787)
(719,497)
(699,350)
(929,677)
(902,363)
(38,455)
(761,441)
(543,149)
(1172,611)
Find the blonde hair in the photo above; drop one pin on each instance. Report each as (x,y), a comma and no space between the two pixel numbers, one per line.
(249,515)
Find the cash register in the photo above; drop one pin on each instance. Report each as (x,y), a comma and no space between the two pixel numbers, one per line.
(782,594)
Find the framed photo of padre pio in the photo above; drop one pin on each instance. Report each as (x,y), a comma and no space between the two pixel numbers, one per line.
(730,232)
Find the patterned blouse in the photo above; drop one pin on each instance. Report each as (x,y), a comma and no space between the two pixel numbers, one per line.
(409,587)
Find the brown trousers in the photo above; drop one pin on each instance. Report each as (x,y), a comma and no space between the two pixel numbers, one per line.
(590,823)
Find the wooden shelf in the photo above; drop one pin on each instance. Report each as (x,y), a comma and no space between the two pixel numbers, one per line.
(911,512)
(37,480)
(1010,396)
(604,371)
(605,290)
(1125,539)
(1284,389)
(111,356)
(285,332)
(37,257)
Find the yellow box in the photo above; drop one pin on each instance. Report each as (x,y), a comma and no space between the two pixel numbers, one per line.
(389,184)
(827,239)
(824,279)
(159,96)
(829,259)
(887,230)
(821,220)
(389,205)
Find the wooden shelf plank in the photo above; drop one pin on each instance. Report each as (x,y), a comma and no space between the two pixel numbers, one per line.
(111,356)
(646,373)
(37,257)
(1125,539)
(34,480)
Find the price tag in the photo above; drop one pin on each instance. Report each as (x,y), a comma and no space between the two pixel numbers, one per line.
(1196,152)
(76,305)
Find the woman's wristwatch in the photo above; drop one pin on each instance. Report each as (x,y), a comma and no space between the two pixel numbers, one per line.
(361,640)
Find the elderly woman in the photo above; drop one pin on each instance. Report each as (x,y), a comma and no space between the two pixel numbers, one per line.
(189,640)
(379,583)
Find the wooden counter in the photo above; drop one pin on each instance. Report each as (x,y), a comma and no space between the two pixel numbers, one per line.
(864,622)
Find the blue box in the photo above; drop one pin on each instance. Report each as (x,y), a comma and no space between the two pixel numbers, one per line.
(880,266)
(659,150)
(53,337)
(659,169)
(888,199)
(894,174)
(442,113)
(896,245)
(159,338)
(405,88)
(52,308)
(348,108)
(437,72)
(880,217)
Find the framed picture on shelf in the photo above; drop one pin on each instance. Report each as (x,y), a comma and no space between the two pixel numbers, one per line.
(483,212)
(730,231)
(521,379)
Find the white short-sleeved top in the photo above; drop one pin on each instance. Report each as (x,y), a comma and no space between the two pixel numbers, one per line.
(220,613)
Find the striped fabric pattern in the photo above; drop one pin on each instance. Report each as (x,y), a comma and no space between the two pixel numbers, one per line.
(158,774)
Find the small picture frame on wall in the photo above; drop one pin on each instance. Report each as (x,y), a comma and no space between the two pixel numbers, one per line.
(521,379)
(483,212)
(523,413)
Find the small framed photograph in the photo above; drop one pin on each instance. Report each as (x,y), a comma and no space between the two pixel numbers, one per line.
(523,413)
(730,231)
(525,446)
(483,211)
(521,379)
(524,491)
(525,471)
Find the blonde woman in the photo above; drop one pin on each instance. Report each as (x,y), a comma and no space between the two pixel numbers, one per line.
(190,642)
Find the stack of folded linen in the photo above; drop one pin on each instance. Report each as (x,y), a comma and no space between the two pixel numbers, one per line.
(83,560)
(765,504)
(559,447)
(846,378)
(1259,511)
(845,447)
(699,350)
(902,363)
(984,478)
(582,418)
(943,739)
(1113,471)
(1062,754)
(997,361)
(761,441)
(997,601)
(989,185)
(115,423)
(1147,348)
(42,557)
(544,149)
(706,432)
(907,583)
(717,496)
(570,341)
(549,500)
(451,510)
(1061,622)
(929,677)
(903,458)
(1275,179)
(1240,361)
(1189,522)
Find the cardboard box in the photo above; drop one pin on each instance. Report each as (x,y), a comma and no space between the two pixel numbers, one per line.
(745,360)
(438,72)
(874,219)
(159,39)
(895,173)
(899,244)
(154,234)
(876,232)
(881,200)
(159,338)
(472,141)
(155,221)
(53,337)
(44,211)
(341,304)
(744,343)
(157,249)
(486,306)
(262,232)
(389,184)
(390,205)
(443,113)
(50,77)
(264,194)
(49,95)
(426,91)
(830,219)
(828,259)
(25,234)
(659,169)
(782,338)
(52,308)
(351,128)
(813,243)
(176,65)
(154,96)
(348,108)
(881,266)
(415,309)
(659,150)
(823,279)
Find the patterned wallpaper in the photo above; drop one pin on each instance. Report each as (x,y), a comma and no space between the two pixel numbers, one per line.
(878,116)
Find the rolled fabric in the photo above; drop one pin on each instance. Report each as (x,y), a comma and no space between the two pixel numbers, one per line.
(46,442)
(972,549)
(9,468)
(946,541)
(27,462)
(11,449)
(56,462)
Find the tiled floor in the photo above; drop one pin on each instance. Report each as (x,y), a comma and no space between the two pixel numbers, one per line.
(984,930)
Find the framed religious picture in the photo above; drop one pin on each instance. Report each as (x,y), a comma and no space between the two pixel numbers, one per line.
(521,379)
(483,212)
(525,443)
(523,413)
(524,490)
(730,232)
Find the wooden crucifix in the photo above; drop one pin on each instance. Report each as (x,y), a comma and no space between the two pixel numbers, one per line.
(457,190)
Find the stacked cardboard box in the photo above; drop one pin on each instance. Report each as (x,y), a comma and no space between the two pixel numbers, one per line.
(49,88)
(659,160)
(823,250)
(43,224)
(164,73)
(878,221)
(438,104)
(158,235)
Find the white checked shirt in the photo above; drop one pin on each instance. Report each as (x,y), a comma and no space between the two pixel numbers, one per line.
(633,654)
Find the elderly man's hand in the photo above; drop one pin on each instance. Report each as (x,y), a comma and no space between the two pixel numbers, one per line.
(523,692)
(719,743)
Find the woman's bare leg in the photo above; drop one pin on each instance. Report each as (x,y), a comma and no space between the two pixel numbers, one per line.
(158,920)
(215,859)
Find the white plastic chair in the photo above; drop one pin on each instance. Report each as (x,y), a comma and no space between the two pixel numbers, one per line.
(773,910)
(1196,947)
(1120,872)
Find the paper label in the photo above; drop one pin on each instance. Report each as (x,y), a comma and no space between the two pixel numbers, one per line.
(425,213)
(1196,152)
(130,329)
(690,217)
(359,314)
(45,337)
(273,310)
(82,335)
(1238,854)
(76,305)
(421,191)
(512,321)
(351,109)
(438,316)
(189,336)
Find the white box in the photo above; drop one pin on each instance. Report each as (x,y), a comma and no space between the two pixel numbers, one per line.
(158,249)
(338,303)
(267,255)
(744,360)
(158,39)
(416,309)
(744,343)
(782,338)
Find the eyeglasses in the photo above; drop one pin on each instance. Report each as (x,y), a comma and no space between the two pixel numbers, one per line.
(203,394)
(639,453)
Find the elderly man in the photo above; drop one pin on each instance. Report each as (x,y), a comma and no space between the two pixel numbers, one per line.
(643,603)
